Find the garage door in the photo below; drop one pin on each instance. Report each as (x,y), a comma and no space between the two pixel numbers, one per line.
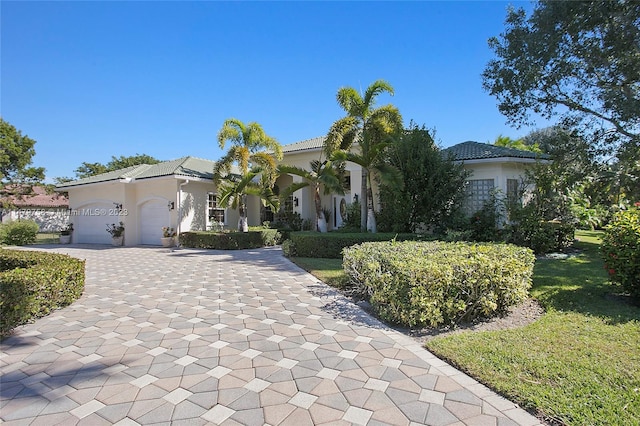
(154,215)
(90,224)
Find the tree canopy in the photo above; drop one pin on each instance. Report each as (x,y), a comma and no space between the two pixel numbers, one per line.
(255,154)
(371,130)
(434,186)
(116,163)
(16,155)
(576,59)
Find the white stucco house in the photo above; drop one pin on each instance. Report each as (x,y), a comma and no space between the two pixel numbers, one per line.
(178,193)
(48,210)
(493,168)
(181,194)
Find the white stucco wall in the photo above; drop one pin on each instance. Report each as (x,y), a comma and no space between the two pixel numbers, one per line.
(306,204)
(189,198)
(48,219)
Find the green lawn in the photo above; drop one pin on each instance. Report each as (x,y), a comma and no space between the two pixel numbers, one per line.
(328,271)
(579,364)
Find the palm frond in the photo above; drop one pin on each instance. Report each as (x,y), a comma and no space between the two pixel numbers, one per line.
(350,100)
(232,130)
(293,170)
(389,175)
(289,190)
(342,134)
(374,89)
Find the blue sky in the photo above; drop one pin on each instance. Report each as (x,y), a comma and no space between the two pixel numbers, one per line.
(88,80)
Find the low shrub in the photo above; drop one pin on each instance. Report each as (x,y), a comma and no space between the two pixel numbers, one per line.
(542,236)
(330,244)
(19,232)
(32,284)
(435,283)
(621,250)
(230,240)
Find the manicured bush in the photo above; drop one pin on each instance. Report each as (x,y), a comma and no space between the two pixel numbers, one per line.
(621,250)
(330,244)
(19,232)
(435,283)
(32,284)
(230,240)
(542,236)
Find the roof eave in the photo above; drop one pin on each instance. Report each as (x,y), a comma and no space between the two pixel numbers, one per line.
(502,160)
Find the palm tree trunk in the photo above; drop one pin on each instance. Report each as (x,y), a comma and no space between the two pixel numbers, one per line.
(321,222)
(243,225)
(363,200)
(371,216)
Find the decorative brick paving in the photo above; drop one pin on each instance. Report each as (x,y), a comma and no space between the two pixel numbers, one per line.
(240,337)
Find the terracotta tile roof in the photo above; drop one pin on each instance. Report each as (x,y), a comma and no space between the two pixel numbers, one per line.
(37,197)
(476,151)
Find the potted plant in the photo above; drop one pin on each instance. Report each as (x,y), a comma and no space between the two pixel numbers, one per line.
(117,233)
(168,234)
(65,234)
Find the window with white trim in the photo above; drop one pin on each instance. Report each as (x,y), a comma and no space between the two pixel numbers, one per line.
(215,214)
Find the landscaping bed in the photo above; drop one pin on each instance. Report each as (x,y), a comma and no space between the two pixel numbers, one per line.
(570,354)
(33,283)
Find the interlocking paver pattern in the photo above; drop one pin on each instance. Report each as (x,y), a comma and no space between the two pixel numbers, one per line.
(196,337)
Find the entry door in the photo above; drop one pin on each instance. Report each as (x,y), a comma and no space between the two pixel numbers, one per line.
(339,210)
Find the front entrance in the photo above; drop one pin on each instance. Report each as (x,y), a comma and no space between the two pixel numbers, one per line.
(339,210)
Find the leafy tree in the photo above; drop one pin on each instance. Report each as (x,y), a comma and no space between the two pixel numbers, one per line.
(116,163)
(322,174)
(233,189)
(255,155)
(16,154)
(579,59)
(370,130)
(433,184)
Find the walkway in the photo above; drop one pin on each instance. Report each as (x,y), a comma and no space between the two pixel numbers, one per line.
(191,337)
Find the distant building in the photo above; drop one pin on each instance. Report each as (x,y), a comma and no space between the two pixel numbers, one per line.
(49,210)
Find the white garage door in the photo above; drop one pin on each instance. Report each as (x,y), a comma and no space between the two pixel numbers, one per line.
(154,215)
(90,223)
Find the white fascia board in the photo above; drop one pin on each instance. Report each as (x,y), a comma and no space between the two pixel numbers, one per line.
(502,160)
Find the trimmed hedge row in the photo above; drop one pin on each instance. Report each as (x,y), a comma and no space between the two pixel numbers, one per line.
(435,283)
(32,284)
(230,240)
(331,244)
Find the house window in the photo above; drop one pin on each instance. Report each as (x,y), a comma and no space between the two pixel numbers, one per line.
(266,214)
(478,192)
(214,213)
(287,207)
(513,191)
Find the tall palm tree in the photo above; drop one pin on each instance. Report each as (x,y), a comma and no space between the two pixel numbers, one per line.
(255,154)
(322,173)
(370,130)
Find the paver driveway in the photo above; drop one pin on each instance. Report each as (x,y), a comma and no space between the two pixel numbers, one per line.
(240,337)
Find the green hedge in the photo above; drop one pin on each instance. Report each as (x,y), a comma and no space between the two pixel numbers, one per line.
(331,244)
(435,283)
(543,236)
(621,250)
(32,284)
(19,232)
(230,240)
